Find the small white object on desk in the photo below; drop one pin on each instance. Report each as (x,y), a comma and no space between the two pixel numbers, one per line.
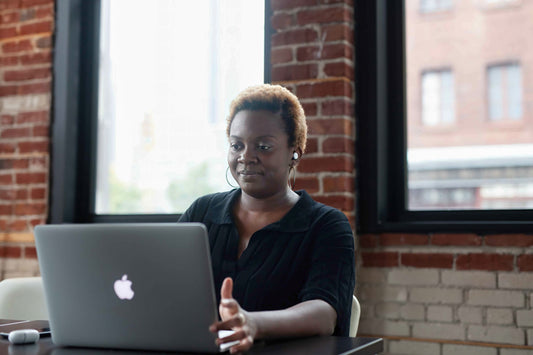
(23,336)
(227,333)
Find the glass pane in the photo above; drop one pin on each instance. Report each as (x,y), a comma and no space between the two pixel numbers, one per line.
(447,100)
(168,71)
(430,98)
(495,93)
(470,126)
(514,83)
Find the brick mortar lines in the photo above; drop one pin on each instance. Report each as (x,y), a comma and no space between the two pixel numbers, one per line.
(320,178)
(20,66)
(294,10)
(459,250)
(310,44)
(317,61)
(21,139)
(23,37)
(27,82)
(348,118)
(321,100)
(26,22)
(23,155)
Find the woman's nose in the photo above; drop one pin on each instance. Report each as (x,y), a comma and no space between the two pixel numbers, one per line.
(247,155)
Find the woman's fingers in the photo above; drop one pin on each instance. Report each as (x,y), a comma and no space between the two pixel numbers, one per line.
(226,291)
(237,335)
(233,317)
(244,345)
(237,321)
(229,304)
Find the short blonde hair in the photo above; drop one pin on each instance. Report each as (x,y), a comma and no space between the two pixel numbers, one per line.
(275,99)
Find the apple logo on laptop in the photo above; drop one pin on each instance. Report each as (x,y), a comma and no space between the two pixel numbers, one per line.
(123,288)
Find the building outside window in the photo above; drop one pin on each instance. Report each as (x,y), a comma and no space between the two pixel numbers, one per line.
(469,128)
(435,5)
(504,92)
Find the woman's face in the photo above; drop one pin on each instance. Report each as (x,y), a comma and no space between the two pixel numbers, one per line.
(259,156)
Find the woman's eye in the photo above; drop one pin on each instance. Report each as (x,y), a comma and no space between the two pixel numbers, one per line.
(264,147)
(234,146)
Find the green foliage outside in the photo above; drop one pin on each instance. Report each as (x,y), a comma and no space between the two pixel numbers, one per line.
(123,199)
(182,192)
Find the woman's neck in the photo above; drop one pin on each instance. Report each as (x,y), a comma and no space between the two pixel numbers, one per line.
(281,200)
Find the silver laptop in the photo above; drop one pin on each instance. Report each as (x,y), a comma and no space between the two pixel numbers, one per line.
(128,286)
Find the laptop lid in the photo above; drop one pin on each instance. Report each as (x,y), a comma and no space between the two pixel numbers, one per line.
(130,286)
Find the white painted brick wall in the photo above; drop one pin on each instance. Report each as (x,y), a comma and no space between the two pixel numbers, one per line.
(412,311)
(440,313)
(380,326)
(436,295)
(371,275)
(472,315)
(12,274)
(403,347)
(513,280)
(502,316)
(524,318)
(367,310)
(453,349)
(33,102)
(375,294)
(497,298)
(477,279)
(388,310)
(505,351)
(496,334)
(413,277)
(16,267)
(439,331)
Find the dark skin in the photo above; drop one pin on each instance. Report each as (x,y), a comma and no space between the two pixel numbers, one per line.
(259,160)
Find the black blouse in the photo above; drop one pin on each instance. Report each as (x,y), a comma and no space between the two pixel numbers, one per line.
(308,254)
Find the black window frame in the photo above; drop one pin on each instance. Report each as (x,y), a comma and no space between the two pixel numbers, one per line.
(381,137)
(75,109)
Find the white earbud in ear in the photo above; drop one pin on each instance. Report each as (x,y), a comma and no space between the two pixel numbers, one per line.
(295,156)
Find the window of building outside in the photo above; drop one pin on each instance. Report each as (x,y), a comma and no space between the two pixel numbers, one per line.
(504,92)
(437,97)
(435,5)
(168,71)
(484,160)
(501,2)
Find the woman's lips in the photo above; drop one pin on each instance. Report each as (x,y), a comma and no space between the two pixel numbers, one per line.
(249,173)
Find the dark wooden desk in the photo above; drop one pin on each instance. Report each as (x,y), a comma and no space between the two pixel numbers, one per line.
(315,345)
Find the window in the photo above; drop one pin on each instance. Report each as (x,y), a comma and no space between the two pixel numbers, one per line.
(469,176)
(435,5)
(501,2)
(140,108)
(437,97)
(504,92)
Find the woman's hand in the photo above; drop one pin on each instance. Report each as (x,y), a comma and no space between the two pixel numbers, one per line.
(234,318)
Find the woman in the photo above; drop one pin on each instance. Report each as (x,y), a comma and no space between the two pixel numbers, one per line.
(283,262)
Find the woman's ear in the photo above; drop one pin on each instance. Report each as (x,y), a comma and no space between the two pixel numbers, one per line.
(296,156)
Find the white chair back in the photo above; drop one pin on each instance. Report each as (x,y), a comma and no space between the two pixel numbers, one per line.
(354,318)
(23,298)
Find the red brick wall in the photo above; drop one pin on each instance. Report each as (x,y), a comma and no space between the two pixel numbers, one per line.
(26,28)
(313,55)
(472,251)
